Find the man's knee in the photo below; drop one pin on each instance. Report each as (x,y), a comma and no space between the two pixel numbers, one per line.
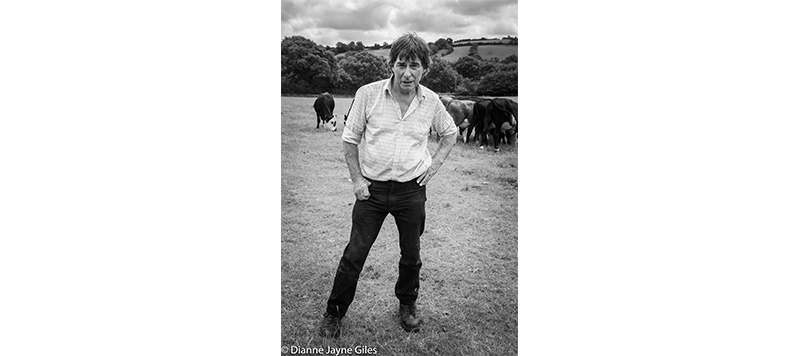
(410,260)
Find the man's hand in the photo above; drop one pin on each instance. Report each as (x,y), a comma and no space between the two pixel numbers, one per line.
(445,145)
(361,188)
(425,177)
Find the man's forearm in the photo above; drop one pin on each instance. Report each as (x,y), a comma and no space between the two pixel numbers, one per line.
(351,157)
(445,146)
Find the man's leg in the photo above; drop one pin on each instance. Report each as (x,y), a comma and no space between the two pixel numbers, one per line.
(410,219)
(368,216)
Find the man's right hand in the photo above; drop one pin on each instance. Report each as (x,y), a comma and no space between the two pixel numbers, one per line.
(361,188)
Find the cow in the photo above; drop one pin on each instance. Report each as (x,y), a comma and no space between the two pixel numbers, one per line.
(324,108)
(462,113)
(446,99)
(501,115)
(473,110)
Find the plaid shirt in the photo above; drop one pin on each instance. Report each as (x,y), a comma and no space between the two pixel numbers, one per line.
(394,147)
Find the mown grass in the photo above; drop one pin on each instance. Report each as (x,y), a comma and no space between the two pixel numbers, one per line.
(468,292)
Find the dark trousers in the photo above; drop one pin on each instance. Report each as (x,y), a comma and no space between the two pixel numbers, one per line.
(406,202)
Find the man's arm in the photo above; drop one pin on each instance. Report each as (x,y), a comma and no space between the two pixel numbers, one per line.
(445,146)
(360,184)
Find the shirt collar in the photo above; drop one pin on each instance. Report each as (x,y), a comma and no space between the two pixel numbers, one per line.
(387,88)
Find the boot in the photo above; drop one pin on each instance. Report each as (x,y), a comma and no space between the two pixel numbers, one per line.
(408,318)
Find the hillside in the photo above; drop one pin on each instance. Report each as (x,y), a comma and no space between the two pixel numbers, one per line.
(485,51)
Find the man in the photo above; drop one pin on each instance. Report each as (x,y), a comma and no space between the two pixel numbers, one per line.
(385,147)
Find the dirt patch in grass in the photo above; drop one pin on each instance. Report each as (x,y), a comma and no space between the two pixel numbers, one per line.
(468,281)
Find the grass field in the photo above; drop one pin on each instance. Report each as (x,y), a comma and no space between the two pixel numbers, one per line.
(485,51)
(468,286)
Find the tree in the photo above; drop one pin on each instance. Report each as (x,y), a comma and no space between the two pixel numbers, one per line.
(469,67)
(509,67)
(499,83)
(444,45)
(306,67)
(361,68)
(341,47)
(466,86)
(510,59)
(473,50)
(441,76)
(359,46)
(490,65)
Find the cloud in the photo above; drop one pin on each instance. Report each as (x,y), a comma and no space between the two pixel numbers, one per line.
(369,16)
(329,21)
(504,28)
(431,20)
(478,7)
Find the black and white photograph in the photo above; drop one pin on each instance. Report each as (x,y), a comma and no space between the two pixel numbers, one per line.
(166,190)
(399,177)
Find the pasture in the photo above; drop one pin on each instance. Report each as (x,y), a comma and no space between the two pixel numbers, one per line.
(485,51)
(468,282)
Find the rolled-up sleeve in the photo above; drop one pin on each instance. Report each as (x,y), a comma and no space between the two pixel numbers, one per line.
(357,119)
(442,122)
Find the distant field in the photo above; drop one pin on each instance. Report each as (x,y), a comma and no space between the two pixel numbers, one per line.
(485,51)
(495,40)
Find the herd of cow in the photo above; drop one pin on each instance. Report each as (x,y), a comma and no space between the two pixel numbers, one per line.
(496,117)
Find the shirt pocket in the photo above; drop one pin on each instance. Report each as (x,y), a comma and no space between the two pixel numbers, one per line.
(416,128)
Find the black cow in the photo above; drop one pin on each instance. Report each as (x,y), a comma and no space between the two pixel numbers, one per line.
(476,120)
(499,115)
(324,107)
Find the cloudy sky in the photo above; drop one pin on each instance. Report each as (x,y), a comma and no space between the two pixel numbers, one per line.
(327,22)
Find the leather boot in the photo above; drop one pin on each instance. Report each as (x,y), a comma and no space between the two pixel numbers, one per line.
(408,318)
(331,326)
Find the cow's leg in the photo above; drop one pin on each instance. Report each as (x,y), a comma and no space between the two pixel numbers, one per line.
(496,136)
(487,128)
(318,120)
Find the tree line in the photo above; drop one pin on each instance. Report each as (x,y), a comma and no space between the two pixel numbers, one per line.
(310,68)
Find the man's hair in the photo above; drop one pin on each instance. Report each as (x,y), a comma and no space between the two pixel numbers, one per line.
(409,46)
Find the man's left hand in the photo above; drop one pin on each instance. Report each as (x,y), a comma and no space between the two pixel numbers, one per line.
(425,177)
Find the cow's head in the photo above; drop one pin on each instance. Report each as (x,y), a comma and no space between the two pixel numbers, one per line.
(456,110)
(330,123)
(446,100)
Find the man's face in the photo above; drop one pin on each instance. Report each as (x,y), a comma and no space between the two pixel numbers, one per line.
(407,74)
